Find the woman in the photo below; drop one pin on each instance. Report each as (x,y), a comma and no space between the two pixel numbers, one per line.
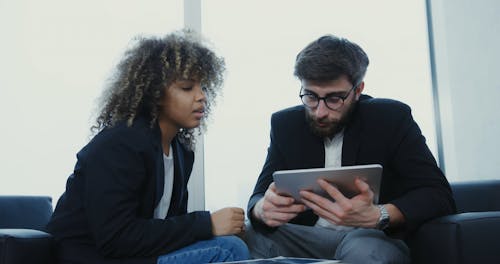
(126,201)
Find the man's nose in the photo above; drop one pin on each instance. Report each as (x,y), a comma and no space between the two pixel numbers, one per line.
(321,109)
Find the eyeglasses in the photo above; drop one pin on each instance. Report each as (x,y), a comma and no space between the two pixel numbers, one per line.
(333,102)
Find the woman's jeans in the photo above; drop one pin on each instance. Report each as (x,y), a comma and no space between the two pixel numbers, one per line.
(218,249)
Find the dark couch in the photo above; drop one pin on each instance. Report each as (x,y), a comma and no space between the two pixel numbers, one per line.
(471,236)
(22,225)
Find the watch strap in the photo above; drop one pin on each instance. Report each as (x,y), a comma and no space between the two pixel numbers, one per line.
(384,219)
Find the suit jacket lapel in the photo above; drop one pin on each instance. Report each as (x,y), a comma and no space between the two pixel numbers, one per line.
(160,170)
(311,153)
(352,139)
(178,177)
(314,150)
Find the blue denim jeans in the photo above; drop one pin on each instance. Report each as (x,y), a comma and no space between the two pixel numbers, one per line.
(218,249)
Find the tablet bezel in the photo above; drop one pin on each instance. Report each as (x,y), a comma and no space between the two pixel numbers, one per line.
(291,182)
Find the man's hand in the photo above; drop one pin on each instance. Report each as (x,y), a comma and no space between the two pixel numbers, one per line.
(359,211)
(274,209)
(228,221)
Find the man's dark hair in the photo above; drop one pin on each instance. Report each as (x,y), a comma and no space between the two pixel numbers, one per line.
(330,57)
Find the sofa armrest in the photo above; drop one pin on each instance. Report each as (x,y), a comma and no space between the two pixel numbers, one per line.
(25,246)
(459,238)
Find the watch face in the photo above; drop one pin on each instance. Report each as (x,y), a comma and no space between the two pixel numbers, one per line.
(383,223)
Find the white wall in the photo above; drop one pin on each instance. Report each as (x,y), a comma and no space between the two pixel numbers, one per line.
(260,39)
(467,54)
(54,58)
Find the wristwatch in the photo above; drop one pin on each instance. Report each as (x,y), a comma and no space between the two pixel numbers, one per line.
(383,220)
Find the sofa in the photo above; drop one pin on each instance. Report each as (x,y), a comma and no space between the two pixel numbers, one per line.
(22,230)
(470,236)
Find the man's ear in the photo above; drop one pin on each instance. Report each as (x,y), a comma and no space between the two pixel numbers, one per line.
(359,90)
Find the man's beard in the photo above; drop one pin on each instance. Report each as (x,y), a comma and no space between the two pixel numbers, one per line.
(333,127)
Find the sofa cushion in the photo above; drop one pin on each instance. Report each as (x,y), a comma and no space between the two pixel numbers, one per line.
(25,246)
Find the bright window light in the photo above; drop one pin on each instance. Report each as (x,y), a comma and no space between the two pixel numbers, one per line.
(56,56)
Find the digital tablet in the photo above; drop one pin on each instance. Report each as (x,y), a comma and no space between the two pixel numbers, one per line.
(291,182)
(284,260)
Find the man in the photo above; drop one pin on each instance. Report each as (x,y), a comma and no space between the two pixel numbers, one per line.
(336,126)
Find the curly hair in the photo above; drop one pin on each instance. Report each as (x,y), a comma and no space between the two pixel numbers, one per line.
(138,84)
(329,57)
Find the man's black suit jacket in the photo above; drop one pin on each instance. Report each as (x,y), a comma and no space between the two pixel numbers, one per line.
(380,131)
(106,212)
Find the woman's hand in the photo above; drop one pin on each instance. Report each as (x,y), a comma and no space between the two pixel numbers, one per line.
(228,221)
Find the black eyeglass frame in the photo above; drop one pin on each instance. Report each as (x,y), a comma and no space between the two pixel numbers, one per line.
(318,99)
